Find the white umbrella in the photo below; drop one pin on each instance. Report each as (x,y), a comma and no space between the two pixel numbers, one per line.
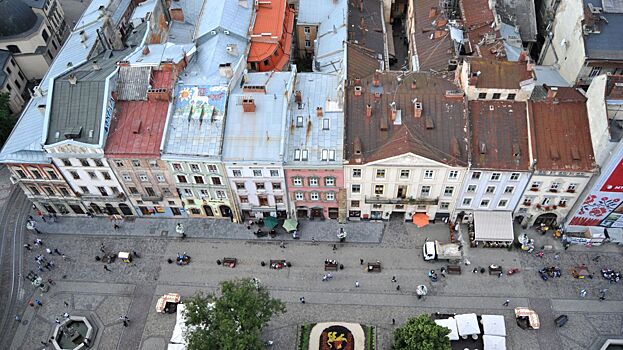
(421,290)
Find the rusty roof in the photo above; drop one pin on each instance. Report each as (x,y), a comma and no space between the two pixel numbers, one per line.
(477,21)
(495,74)
(361,61)
(438,133)
(560,133)
(614,87)
(137,127)
(432,39)
(365,25)
(499,135)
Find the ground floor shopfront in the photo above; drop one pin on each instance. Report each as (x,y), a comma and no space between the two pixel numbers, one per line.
(200,208)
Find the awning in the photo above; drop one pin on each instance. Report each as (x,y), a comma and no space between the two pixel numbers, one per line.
(467,324)
(494,325)
(493,342)
(449,323)
(494,226)
(420,219)
(270,222)
(290,225)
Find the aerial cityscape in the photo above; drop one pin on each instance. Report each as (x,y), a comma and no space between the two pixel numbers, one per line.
(311,174)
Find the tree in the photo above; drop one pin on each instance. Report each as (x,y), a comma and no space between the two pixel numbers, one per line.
(7,121)
(232,321)
(421,333)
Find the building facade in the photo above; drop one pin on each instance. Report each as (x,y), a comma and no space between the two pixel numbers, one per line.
(12,81)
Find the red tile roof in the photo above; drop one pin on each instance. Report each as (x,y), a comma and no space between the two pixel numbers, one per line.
(137,126)
(561,139)
(496,74)
(477,21)
(499,135)
(278,20)
(432,53)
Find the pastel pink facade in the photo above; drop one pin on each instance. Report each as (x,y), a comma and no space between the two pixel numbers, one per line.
(315,193)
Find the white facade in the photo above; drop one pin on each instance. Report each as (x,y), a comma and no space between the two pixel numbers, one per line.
(406,184)
(551,192)
(491,190)
(14,85)
(260,188)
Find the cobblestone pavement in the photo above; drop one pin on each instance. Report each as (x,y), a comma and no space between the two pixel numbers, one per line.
(133,289)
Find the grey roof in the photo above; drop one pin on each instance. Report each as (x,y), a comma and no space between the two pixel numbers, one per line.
(520,13)
(317,90)
(132,83)
(512,42)
(612,6)
(318,11)
(217,15)
(329,46)
(259,135)
(548,75)
(16,18)
(34,3)
(204,67)
(141,10)
(24,143)
(4,57)
(195,127)
(372,34)
(606,45)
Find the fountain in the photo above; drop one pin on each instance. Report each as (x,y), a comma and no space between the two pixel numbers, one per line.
(74,333)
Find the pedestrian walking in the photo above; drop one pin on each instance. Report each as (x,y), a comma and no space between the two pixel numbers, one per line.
(17,318)
(356,284)
(475,270)
(135,254)
(52,264)
(37,231)
(398,288)
(56,251)
(43,343)
(50,281)
(302,300)
(27,246)
(66,303)
(102,248)
(116,227)
(393,321)
(64,257)
(38,242)
(360,261)
(602,294)
(43,218)
(31,303)
(125,323)
(500,274)
(394,279)
(106,268)
(334,247)
(48,266)
(30,218)
(313,240)
(282,245)
(57,321)
(48,250)
(506,302)
(324,278)
(38,302)
(329,276)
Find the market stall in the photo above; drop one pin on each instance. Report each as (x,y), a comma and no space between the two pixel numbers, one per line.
(493,325)
(467,325)
(494,342)
(449,323)
(493,228)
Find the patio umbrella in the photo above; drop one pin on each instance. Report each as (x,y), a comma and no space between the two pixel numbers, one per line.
(290,225)
(420,219)
(421,290)
(270,222)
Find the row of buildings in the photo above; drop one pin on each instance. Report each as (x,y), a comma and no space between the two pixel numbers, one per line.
(193,109)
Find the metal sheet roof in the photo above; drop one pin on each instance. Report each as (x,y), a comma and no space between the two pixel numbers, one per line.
(318,11)
(24,143)
(221,15)
(607,44)
(159,53)
(330,39)
(494,226)
(132,83)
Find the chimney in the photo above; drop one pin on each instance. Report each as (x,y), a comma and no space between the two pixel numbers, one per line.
(413,84)
(417,109)
(83,36)
(358,90)
(298,97)
(357,82)
(72,79)
(248,104)
(41,108)
(357,150)
(158,95)
(319,112)
(368,110)
(375,79)
(232,49)
(243,3)
(146,50)
(96,66)
(551,92)
(225,70)
(393,111)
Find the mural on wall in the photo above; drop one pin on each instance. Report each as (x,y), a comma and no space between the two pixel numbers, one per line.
(201,104)
(603,206)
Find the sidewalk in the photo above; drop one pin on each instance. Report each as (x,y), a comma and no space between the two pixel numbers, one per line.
(321,231)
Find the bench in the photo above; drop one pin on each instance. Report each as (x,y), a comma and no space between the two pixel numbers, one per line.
(331,265)
(495,269)
(454,269)
(374,267)
(230,262)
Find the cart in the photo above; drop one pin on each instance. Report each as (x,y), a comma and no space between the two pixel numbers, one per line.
(168,303)
(182,259)
(495,269)
(126,257)
(454,269)
(580,272)
(230,262)
(331,265)
(374,267)
(278,264)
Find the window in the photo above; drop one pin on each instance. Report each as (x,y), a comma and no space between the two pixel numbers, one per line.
(484,203)
(260,186)
(136,163)
(182,179)
(36,174)
(237,173)
(355,188)
(299,196)
(502,203)
(119,163)
(490,189)
(150,191)
(325,124)
(266,62)
(187,192)
(447,192)
(85,189)
(20,173)
(297,181)
(562,202)
(274,173)
(45,35)
(276,186)
(198,179)
(216,180)
(85,162)
(212,168)
(75,175)
(114,189)
(239,185)
(166,191)
(510,96)
(535,186)
(467,201)
(307,30)
(594,71)
(92,174)
(304,155)
(126,177)
(324,155)
(546,201)
(313,181)
(471,188)
(244,199)
(509,189)
(177,166)
(13,48)
(307,43)
(257,173)
(34,190)
(476,175)
(144,178)
(220,194)
(527,201)
(354,204)
(49,191)
(380,173)
(495,176)
(64,191)
(299,121)
(133,190)
(554,186)
(98,162)
(425,192)
(278,199)
(482,95)
(378,189)
(106,175)
(357,173)
(102,190)
(571,188)
(52,175)
(314,196)
(160,178)
(330,196)
(428,174)
(514,176)
(444,205)
(496,96)
(194,168)
(453,174)
(329,181)
(297,154)
(404,174)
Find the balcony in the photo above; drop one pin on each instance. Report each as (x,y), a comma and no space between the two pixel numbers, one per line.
(119,197)
(408,200)
(154,198)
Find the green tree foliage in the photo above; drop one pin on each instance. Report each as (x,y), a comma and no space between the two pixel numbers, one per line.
(232,321)
(421,333)
(7,121)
